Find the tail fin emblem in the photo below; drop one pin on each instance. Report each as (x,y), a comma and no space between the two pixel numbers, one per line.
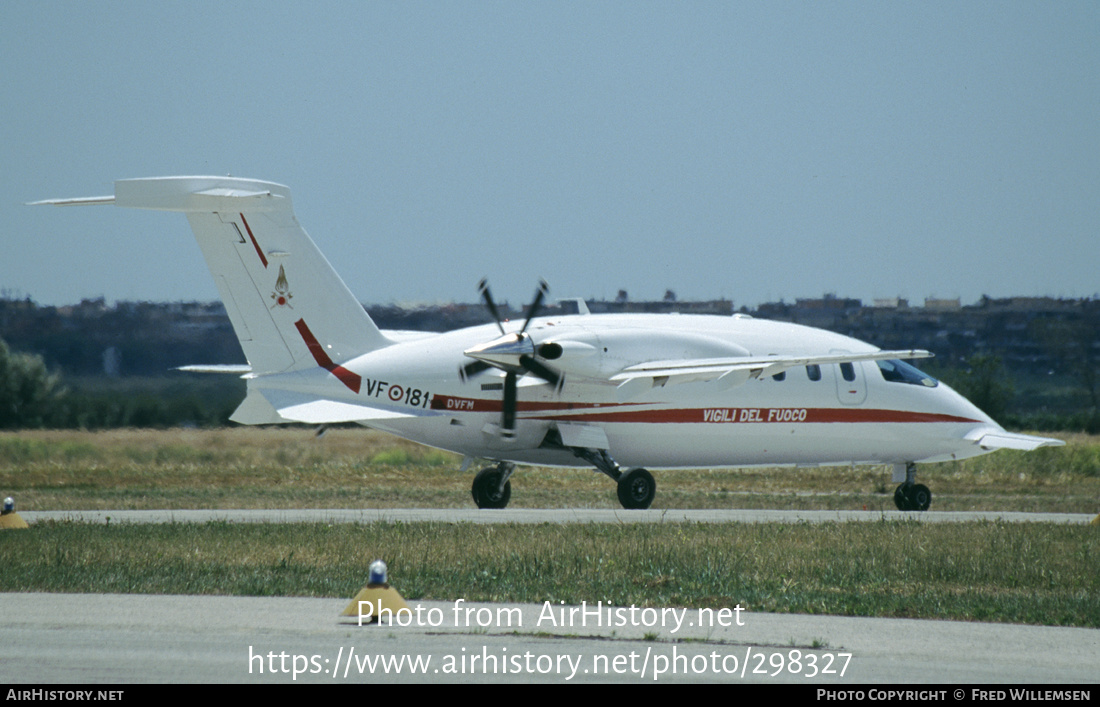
(281,295)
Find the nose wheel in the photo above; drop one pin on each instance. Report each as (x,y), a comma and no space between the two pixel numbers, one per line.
(912,497)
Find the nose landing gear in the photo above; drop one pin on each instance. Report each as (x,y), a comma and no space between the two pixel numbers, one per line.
(912,497)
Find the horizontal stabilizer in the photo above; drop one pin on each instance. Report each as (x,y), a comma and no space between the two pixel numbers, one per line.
(239,369)
(200,194)
(304,407)
(269,407)
(77,201)
(187,194)
(331,411)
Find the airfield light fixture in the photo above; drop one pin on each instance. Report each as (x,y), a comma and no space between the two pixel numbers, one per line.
(377,572)
(9,505)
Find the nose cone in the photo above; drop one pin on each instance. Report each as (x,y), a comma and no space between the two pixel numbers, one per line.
(961,407)
(983,434)
(966,425)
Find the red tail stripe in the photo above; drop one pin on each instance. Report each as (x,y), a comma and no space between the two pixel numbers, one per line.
(263,258)
(351,380)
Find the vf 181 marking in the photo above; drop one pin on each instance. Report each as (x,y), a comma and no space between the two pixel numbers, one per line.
(413,397)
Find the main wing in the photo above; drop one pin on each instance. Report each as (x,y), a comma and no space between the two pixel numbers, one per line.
(736,370)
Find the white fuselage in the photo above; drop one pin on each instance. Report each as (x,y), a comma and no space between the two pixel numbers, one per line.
(832,415)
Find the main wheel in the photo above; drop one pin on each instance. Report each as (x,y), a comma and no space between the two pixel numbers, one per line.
(637,489)
(920,498)
(901,500)
(486,489)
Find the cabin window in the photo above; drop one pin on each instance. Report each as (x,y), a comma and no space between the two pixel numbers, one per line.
(897,371)
(813,372)
(848,371)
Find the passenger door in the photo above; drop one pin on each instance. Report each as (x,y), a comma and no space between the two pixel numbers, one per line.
(851,387)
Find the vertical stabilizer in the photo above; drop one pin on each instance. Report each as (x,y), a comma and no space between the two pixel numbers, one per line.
(288,307)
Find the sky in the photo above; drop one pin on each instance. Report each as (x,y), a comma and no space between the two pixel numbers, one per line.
(753,151)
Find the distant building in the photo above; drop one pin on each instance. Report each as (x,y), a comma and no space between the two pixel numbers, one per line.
(942,305)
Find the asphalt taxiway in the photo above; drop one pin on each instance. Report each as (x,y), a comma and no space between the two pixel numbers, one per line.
(116,639)
(106,638)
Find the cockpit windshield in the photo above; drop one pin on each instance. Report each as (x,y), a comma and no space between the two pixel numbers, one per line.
(897,371)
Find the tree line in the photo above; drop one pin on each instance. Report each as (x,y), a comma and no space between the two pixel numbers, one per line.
(31,396)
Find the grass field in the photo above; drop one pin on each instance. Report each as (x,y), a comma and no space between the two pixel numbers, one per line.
(356,468)
(1030,573)
(1026,573)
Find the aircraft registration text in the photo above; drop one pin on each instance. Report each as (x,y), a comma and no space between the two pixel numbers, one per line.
(413,397)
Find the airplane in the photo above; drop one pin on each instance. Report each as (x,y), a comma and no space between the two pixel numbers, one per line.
(617,392)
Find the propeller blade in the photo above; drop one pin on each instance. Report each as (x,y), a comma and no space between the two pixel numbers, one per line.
(508,411)
(543,371)
(500,354)
(483,288)
(471,369)
(540,293)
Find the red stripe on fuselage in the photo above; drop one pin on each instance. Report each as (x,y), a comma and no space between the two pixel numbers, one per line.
(613,412)
(759,416)
(263,258)
(351,380)
(451,402)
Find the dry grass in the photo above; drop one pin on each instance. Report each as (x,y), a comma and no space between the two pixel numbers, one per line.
(1032,573)
(1025,573)
(357,468)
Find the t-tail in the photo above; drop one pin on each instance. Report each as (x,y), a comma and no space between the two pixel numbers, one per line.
(288,307)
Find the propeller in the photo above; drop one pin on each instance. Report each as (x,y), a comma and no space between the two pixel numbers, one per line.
(514,353)
(483,290)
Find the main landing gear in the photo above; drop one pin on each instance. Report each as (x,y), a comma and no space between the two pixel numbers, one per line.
(492,489)
(636,487)
(910,496)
